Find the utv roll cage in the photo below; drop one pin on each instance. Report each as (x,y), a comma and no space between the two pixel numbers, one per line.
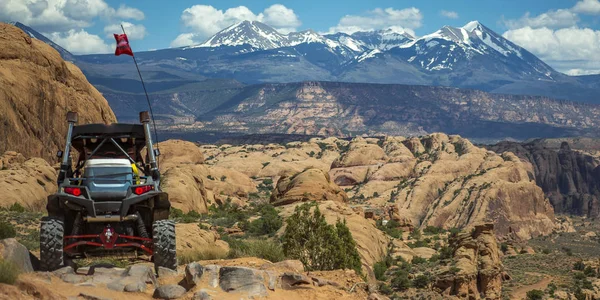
(114,140)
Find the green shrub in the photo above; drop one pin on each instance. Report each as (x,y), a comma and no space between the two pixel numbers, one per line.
(546,251)
(535,295)
(265,249)
(421,281)
(417,244)
(415,234)
(175,213)
(434,258)
(16,207)
(417,260)
(8,272)
(579,266)
(267,224)
(446,252)
(379,269)
(431,230)
(385,289)
(7,230)
(504,247)
(223,178)
(401,281)
(318,245)
(589,271)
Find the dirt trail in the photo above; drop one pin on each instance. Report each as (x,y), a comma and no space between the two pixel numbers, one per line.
(521,293)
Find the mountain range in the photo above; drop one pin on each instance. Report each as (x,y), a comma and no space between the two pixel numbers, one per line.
(193,83)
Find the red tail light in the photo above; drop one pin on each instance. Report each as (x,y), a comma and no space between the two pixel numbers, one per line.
(73,191)
(138,190)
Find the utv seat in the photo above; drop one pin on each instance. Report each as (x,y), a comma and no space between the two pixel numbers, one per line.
(108,179)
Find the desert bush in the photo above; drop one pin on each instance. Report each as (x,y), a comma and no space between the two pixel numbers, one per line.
(535,295)
(431,230)
(318,245)
(421,281)
(446,252)
(16,207)
(268,223)
(417,260)
(8,272)
(385,289)
(265,249)
(7,230)
(589,271)
(579,266)
(401,281)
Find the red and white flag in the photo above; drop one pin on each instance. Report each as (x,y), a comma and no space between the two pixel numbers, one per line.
(122,45)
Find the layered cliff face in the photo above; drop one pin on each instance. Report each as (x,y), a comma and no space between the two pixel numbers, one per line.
(350,109)
(569,177)
(444,181)
(37,88)
(26,182)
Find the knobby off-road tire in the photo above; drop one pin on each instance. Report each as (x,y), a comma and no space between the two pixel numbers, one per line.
(163,238)
(52,234)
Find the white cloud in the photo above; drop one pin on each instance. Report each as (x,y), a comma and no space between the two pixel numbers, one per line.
(579,72)
(282,18)
(62,15)
(559,18)
(80,42)
(185,39)
(568,49)
(590,7)
(408,18)
(126,12)
(134,31)
(449,14)
(205,20)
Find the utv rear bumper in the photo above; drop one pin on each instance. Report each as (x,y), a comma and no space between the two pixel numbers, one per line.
(59,201)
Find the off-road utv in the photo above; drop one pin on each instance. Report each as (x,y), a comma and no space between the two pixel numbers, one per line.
(110,202)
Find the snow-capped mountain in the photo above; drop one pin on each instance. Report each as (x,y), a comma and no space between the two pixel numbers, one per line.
(471,48)
(253,33)
(370,40)
(471,56)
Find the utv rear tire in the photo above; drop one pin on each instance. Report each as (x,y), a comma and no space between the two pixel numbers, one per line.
(51,244)
(163,238)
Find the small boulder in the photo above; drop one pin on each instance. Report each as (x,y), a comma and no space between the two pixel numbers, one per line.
(142,271)
(72,278)
(165,272)
(169,291)
(193,273)
(13,251)
(136,287)
(64,270)
(291,280)
(212,272)
(241,279)
(201,295)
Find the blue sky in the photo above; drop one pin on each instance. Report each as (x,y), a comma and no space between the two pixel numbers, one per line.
(564,33)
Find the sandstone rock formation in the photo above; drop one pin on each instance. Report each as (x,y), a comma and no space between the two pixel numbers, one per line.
(569,177)
(309,185)
(191,238)
(37,88)
(445,181)
(480,272)
(26,182)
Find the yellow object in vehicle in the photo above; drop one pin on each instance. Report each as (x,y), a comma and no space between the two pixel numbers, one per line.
(136,173)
